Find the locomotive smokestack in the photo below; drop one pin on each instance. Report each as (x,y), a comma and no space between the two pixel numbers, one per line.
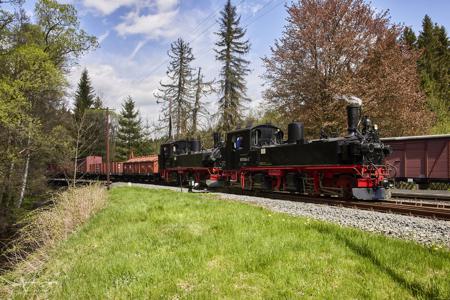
(295,133)
(353,116)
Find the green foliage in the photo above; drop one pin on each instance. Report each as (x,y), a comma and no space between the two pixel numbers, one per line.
(61,33)
(231,48)
(129,135)
(163,244)
(409,37)
(33,58)
(434,70)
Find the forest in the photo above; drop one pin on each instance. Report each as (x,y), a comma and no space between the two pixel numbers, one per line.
(328,49)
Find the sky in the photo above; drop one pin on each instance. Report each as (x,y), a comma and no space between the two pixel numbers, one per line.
(134,36)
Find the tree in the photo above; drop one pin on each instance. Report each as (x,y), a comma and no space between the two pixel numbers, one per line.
(98,103)
(147,144)
(331,48)
(84,96)
(129,135)
(434,69)
(176,96)
(33,58)
(202,89)
(231,47)
(61,35)
(409,38)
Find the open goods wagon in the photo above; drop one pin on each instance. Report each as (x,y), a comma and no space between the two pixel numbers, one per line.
(421,159)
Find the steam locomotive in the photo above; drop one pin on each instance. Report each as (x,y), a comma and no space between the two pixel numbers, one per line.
(258,158)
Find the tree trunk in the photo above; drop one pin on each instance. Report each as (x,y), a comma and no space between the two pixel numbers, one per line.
(75,161)
(25,174)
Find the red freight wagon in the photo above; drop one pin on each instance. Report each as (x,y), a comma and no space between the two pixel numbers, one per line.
(423,159)
(115,168)
(144,165)
(83,164)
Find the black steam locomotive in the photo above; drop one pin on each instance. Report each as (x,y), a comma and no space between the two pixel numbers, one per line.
(258,158)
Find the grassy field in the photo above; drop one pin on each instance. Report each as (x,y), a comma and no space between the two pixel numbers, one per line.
(163,244)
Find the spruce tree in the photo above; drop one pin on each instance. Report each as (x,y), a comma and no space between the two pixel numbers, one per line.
(84,97)
(231,47)
(434,69)
(129,133)
(176,96)
(409,38)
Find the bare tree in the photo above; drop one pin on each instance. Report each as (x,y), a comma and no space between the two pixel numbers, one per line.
(176,96)
(202,88)
(83,139)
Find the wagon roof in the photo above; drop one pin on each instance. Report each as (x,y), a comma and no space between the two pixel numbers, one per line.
(417,137)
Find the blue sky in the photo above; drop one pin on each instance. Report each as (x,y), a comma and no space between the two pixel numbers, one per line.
(135,35)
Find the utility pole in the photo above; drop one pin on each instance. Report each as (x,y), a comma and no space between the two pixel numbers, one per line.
(107,150)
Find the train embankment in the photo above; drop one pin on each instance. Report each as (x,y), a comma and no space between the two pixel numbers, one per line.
(164,244)
(42,231)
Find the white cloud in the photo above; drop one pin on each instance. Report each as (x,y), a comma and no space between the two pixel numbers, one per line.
(107,7)
(151,25)
(103,37)
(166,5)
(138,47)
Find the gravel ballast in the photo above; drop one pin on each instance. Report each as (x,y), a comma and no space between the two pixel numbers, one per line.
(421,230)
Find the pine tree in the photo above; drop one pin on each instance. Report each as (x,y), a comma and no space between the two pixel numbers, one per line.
(129,135)
(202,88)
(230,50)
(176,96)
(84,97)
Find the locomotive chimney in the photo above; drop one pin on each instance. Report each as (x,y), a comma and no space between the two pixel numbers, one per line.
(295,133)
(195,145)
(353,116)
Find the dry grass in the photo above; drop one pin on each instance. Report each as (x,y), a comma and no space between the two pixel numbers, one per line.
(43,229)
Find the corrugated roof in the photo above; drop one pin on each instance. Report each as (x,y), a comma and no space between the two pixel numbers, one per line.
(149,158)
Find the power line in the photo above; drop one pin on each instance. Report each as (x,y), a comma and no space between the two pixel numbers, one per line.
(252,20)
(262,15)
(195,38)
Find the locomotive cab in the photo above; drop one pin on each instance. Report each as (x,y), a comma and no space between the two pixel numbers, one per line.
(240,143)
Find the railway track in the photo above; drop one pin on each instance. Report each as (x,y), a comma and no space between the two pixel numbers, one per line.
(428,209)
(417,209)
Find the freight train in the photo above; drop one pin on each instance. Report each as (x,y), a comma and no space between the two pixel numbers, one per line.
(259,158)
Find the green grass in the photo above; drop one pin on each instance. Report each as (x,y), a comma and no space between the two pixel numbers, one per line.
(163,244)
